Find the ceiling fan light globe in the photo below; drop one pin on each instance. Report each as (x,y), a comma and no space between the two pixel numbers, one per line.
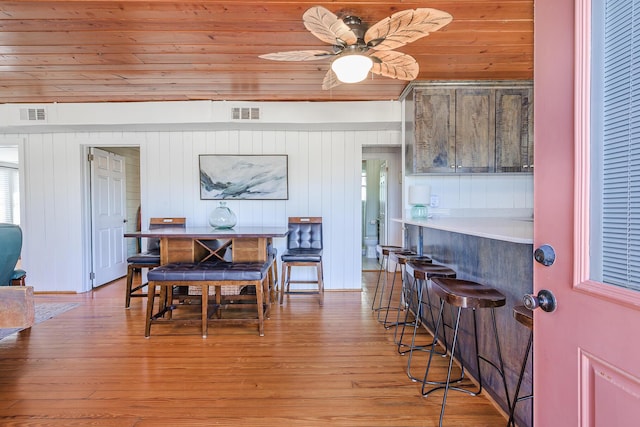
(352,68)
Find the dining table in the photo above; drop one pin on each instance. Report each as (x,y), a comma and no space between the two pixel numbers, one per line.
(196,244)
(247,245)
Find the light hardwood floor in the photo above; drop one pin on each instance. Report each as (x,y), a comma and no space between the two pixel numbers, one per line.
(316,366)
(370,264)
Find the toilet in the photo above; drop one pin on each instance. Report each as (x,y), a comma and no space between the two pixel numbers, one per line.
(370,243)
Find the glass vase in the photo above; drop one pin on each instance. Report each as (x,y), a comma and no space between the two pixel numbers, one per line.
(222,217)
(419,212)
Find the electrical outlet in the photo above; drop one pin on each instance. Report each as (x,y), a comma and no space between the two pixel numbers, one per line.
(434,201)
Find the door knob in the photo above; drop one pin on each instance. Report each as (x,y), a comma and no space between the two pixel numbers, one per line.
(545,300)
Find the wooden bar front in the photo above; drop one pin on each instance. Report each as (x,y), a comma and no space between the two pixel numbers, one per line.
(503,265)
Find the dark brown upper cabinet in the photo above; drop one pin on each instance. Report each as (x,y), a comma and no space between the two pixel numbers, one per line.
(469,128)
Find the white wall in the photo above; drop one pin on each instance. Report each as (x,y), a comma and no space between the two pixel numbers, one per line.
(324,179)
(464,195)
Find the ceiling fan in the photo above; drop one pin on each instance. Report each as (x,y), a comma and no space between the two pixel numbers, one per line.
(358,50)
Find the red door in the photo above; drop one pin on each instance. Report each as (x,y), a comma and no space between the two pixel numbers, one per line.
(587,351)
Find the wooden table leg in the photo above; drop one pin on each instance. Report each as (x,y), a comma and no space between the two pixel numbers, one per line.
(218,302)
(260,304)
(266,286)
(151,293)
(205,306)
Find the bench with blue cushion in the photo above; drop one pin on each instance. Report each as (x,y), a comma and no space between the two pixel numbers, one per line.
(205,275)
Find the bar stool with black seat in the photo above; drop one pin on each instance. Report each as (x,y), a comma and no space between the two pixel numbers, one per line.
(422,273)
(405,300)
(395,256)
(304,249)
(524,316)
(464,294)
(147,259)
(384,256)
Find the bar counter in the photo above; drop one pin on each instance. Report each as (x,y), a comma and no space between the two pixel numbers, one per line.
(496,252)
(516,230)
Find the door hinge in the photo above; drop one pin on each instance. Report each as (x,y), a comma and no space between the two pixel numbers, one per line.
(90,157)
(92,275)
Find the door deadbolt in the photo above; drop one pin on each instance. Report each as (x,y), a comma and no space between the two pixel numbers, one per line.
(545,255)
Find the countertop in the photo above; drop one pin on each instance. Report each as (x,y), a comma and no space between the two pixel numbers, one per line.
(516,230)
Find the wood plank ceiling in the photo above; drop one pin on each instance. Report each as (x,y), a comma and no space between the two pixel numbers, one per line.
(162,50)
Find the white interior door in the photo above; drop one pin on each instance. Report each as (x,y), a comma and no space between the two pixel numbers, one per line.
(382,216)
(586,352)
(108,216)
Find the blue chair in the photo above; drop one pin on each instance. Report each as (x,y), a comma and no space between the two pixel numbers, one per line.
(10,247)
(304,248)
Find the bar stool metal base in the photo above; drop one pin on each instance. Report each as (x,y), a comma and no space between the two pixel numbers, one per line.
(403,302)
(384,256)
(388,307)
(464,294)
(524,316)
(422,274)
(421,271)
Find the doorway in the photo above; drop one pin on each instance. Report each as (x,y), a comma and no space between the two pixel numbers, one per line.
(113,210)
(373,210)
(381,201)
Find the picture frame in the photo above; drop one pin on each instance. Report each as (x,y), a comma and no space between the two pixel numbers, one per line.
(243,177)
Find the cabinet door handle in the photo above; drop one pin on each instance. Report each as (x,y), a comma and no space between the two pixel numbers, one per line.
(453,166)
(525,166)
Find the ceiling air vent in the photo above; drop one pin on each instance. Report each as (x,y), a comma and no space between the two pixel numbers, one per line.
(245,113)
(33,114)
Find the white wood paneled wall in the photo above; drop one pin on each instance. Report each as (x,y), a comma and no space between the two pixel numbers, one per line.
(324,180)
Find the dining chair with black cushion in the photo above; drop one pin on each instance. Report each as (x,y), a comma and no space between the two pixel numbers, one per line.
(149,258)
(10,247)
(304,249)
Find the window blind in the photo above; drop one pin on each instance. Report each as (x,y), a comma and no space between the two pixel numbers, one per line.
(9,197)
(621,144)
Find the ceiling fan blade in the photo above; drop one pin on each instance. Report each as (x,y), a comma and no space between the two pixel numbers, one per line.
(395,65)
(298,55)
(330,80)
(326,26)
(405,27)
